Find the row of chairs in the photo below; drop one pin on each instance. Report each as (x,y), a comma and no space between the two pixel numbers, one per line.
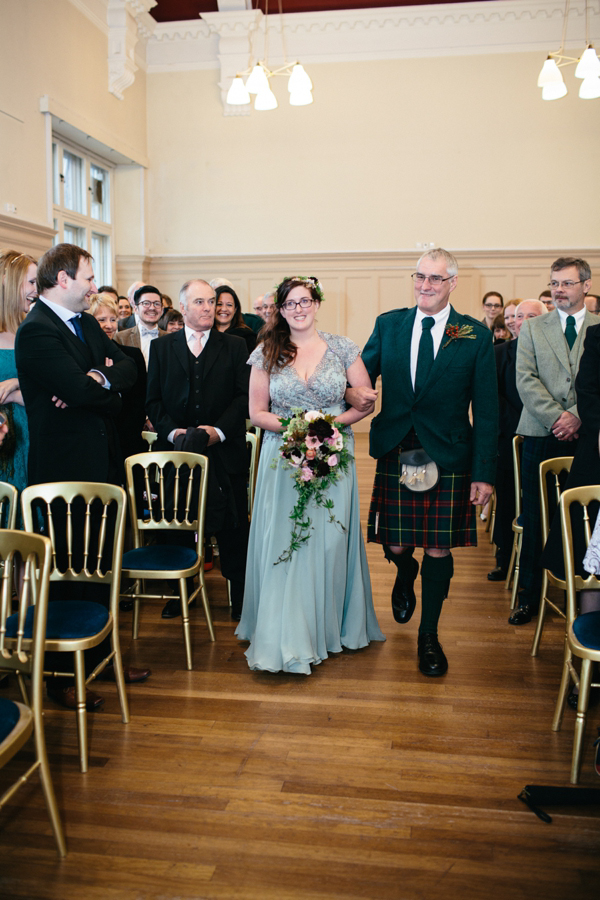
(167,492)
(582,632)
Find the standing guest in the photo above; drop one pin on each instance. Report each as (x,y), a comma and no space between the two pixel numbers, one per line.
(71,376)
(548,355)
(500,332)
(198,382)
(147,302)
(492,305)
(268,306)
(132,319)
(229,318)
(17,290)
(436,366)
(125,309)
(592,302)
(546,298)
(318,600)
(170,321)
(108,289)
(510,412)
(509,316)
(257,306)
(166,301)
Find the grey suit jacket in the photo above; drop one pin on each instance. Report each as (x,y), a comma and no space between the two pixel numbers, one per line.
(130,337)
(545,374)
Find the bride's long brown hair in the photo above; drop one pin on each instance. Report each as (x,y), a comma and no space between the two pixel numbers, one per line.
(279,350)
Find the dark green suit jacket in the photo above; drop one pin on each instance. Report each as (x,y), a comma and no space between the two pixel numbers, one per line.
(463,373)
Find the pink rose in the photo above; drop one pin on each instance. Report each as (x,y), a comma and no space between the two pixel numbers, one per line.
(312,441)
(332,460)
(312,415)
(307,474)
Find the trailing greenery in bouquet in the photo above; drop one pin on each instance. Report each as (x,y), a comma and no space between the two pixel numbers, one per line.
(316,450)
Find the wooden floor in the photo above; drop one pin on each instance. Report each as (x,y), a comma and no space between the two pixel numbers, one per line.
(364,780)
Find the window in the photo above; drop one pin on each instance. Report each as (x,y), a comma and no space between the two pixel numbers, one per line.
(81,194)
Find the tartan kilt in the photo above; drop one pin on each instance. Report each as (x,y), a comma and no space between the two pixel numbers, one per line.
(440,518)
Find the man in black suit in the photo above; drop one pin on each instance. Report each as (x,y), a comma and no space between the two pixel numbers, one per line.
(510,413)
(70,375)
(198,380)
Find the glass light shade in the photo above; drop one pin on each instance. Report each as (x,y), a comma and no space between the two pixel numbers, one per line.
(237,94)
(265,100)
(589,64)
(550,74)
(257,81)
(554,91)
(299,80)
(300,98)
(590,88)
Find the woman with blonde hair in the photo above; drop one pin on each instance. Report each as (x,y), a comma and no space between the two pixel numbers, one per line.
(17,290)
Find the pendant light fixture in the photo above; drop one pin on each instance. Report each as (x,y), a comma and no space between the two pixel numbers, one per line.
(588,67)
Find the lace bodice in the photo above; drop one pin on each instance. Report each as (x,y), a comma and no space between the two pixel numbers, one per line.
(326,386)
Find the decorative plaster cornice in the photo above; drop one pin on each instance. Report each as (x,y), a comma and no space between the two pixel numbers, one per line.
(450,29)
(127,19)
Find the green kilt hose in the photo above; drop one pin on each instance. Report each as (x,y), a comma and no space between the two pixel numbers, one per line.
(442,517)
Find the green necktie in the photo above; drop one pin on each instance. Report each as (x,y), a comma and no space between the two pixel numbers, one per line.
(425,356)
(570,331)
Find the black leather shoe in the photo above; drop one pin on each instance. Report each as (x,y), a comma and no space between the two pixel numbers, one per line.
(522,615)
(125,605)
(497,574)
(172,608)
(403,596)
(572,699)
(432,659)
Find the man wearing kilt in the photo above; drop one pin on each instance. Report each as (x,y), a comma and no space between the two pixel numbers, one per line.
(435,365)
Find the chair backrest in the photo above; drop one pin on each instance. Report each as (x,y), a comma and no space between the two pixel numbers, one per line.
(551,471)
(162,495)
(9,497)
(150,437)
(253,444)
(26,563)
(582,496)
(516,450)
(85,522)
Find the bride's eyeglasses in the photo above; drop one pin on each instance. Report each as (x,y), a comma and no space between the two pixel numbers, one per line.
(291,305)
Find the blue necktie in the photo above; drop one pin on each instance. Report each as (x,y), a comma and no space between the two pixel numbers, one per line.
(76,323)
(425,355)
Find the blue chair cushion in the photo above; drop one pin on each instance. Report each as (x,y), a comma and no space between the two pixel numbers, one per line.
(520,520)
(159,557)
(587,629)
(9,716)
(67,620)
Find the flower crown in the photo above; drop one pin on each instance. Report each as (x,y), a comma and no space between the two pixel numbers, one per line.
(309,280)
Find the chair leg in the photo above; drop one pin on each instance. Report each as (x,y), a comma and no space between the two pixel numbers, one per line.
(563,689)
(47,786)
(515,588)
(185,619)
(541,615)
(135,621)
(585,680)
(493,519)
(205,604)
(82,738)
(119,676)
(511,565)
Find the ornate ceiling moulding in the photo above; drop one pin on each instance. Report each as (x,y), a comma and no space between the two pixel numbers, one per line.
(128,20)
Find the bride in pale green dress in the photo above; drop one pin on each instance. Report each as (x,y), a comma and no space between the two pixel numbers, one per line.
(318,600)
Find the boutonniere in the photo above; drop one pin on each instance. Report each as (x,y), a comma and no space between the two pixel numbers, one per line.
(455,332)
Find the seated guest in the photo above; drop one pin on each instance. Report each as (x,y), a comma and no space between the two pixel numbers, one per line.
(147,302)
(509,316)
(510,412)
(500,331)
(170,321)
(228,316)
(492,305)
(546,298)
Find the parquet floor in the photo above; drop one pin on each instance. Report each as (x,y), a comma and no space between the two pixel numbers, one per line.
(364,780)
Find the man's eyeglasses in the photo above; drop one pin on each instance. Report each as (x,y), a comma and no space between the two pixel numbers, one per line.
(563,284)
(150,304)
(291,305)
(418,278)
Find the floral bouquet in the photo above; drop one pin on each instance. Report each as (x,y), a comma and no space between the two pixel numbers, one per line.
(316,450)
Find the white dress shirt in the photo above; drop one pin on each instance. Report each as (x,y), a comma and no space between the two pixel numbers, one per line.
(578,316)
(191,339)
(437,333)
(66,315)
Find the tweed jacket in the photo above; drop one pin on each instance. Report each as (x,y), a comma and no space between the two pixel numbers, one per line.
(546,372)
(463,375)
(130,337)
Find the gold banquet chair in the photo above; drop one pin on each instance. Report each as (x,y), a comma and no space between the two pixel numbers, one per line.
(515,556)
(253,446)
(169,505)
(85,522)
(550,469)
(22,636)
(582,632)
(9,497)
